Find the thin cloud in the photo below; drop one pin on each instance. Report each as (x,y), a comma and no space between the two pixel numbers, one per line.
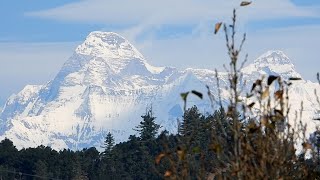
(145,17)
(168,11)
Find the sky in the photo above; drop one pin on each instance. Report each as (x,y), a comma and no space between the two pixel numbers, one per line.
(37,37)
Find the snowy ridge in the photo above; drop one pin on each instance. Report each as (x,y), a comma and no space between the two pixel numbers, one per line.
(107,84)
(108,45)
(272,63)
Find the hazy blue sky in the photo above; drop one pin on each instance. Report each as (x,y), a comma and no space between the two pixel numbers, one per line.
(37,37)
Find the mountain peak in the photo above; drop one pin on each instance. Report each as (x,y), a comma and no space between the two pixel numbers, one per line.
(273,62)
(107,37)
(108,45)
(273,57)
(106,85)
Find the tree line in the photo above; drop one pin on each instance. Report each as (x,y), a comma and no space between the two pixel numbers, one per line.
(191,152)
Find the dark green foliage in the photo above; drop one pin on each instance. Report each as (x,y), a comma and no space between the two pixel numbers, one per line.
(147,128)
(145,157)
(8,152)
(191,121)
(108,145)
(41,169)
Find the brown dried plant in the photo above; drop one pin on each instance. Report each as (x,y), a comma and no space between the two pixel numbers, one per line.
(254,141)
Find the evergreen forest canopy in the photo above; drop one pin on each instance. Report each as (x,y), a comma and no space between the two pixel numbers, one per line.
(245,140)
(191,153)
(137,158)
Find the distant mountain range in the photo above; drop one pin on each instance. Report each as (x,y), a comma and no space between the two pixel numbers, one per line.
(107,84)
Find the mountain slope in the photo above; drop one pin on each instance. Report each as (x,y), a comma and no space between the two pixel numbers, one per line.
(107,84)
(302,91)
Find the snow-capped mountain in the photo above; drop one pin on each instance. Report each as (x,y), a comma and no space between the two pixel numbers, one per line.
(301,91)
(107,84)
(272,63)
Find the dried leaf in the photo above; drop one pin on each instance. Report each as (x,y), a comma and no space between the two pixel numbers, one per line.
(230,111)
(278,112)
(264,121)
(197,94)
(159,157)
(294,79)
(278,94)
(271,78)
(265,93)
(217,27)
(259,82)
(251,104)
(181,153)
(252,128)
(245,3)
(306,145)
(271,125)
(184,96)
(277,117)
(216,148)
(167,173)
(253,86)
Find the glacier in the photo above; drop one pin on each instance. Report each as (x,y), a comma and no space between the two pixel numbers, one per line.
(107,84)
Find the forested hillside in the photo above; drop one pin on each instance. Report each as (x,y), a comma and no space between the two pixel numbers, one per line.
(146,155)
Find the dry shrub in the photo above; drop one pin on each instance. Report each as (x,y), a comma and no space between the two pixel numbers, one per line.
(254,140)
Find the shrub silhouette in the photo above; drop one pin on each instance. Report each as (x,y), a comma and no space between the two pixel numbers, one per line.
(251,139)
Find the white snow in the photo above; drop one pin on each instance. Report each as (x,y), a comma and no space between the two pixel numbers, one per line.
(107,84)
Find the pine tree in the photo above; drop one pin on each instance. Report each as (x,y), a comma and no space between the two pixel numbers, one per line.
(108,145)
(8,153)
(148,129)
(191,122)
